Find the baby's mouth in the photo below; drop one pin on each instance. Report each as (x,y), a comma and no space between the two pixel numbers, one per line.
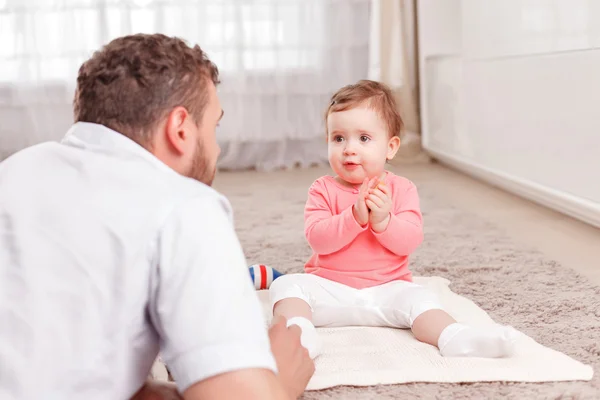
(351,165)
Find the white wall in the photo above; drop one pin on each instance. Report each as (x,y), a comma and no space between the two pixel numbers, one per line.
(510,92)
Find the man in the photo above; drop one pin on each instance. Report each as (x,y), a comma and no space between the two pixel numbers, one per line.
(113,245)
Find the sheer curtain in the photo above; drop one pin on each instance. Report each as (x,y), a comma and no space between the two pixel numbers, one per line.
(393,60)
(280,60)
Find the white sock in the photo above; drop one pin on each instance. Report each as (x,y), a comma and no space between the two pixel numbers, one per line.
(309,338)
(459,340)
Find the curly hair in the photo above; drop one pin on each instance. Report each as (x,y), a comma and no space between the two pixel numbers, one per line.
(134,81)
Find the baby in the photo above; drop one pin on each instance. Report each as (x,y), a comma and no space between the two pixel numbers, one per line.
(362,226)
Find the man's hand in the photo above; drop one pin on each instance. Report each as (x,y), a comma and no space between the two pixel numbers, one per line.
(379,201)
(360,209)
(294,365)
(155,390)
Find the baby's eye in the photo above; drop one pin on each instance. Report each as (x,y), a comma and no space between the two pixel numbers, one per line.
(364,138)
(337,138)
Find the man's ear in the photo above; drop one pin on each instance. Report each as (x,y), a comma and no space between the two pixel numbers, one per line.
(176,133)
(393,146)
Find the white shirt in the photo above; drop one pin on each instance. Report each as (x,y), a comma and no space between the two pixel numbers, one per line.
(107,255)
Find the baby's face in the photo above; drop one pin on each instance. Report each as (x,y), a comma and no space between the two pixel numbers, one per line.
(358,144)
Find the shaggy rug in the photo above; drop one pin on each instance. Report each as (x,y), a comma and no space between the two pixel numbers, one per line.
(517,286)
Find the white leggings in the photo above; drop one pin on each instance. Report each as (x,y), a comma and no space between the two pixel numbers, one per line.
(395,304)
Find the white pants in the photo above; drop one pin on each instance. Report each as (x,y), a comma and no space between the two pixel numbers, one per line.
(395,304)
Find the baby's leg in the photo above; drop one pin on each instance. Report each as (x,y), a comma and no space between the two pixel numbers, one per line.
(292,307)
(454,339)
(291,298)
(429,325)
(419,309)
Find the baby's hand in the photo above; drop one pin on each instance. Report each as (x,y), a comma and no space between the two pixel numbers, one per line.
(359,209)
(379,201)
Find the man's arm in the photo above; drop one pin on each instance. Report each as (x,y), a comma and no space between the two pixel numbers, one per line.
(157,390)
(205,309)
(327,233)
(244,384)
(293,362)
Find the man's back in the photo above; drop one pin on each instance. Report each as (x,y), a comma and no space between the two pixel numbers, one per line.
(80,225)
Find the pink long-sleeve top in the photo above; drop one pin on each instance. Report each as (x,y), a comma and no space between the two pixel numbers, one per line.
(346,252)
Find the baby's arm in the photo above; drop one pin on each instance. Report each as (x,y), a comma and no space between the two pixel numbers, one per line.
(327,233)
(404,232)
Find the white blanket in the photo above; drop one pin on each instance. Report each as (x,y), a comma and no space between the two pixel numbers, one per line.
(359,356)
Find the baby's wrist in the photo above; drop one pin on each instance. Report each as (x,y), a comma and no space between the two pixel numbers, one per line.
(355,215)
(382,225)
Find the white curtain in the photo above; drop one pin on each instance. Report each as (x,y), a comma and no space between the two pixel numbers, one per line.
(393,60)
(280,60)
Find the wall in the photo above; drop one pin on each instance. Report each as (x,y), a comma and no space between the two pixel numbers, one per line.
(510,93)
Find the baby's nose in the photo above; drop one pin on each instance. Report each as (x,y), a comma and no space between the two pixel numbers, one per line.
(349,149)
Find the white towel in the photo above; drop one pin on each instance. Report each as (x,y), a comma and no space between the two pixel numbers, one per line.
(359,356)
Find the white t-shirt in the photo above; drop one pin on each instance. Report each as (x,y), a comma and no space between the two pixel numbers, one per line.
(107,255)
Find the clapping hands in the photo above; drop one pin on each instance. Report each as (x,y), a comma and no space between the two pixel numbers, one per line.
(373,205)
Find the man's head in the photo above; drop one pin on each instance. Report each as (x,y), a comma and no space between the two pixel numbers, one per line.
(363,126)
(159,92)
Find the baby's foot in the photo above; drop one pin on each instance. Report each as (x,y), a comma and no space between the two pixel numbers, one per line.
(459,340)
(309,338)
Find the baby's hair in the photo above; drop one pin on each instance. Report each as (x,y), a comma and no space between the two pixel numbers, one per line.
(376,96)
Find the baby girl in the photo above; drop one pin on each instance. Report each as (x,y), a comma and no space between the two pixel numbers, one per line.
(362,226)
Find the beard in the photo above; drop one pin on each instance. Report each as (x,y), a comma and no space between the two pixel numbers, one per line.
(200,170)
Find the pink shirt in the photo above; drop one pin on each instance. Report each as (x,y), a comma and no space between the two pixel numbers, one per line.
(356,256)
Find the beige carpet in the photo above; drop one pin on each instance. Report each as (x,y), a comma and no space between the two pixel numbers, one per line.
(515,285)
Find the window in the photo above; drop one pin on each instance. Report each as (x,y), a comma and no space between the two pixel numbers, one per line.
(48,40)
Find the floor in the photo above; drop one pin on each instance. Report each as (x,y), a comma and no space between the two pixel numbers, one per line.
(505,254)
(570,242)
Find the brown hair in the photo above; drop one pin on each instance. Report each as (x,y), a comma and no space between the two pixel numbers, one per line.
(135,81)
(376,95)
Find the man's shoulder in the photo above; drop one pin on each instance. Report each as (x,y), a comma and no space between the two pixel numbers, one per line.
(188,192)
(29,153)
(186,188)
